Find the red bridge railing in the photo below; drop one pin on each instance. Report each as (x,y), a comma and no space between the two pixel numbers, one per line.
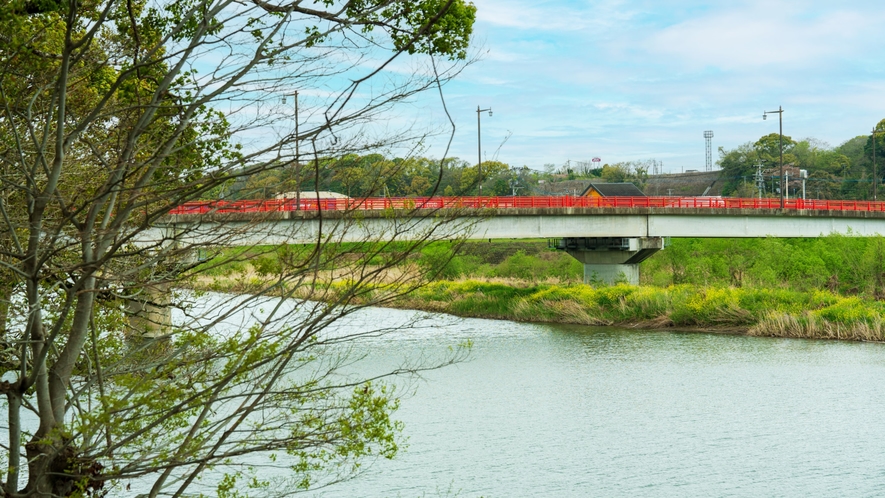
(378,203)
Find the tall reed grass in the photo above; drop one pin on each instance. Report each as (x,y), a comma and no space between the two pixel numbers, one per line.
(827,288)
(763,312)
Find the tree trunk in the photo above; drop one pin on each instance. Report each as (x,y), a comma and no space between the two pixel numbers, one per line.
(47,466)
(6,287)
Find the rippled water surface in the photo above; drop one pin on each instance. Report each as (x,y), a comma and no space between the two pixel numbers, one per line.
(544,410)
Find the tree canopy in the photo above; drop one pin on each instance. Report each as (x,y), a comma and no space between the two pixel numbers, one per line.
(843,172)
(113,112)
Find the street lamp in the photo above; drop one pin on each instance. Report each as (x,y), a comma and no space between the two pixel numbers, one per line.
(297,160)
(479,145)
(780,116)
(875,173)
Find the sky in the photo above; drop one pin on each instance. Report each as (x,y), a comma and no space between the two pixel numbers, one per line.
(622,80)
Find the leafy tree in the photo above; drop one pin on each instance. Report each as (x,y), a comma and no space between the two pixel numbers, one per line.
(741,163)
(842,172)
(768,150)
(496,178)
(814,155)
(350,175)
(736,164)
(375,175)
(633,171)
(615,173)
(469,178)
(113,112)
(833,162)
(263,186)
(746,190)
(877,138)
(880,140)
(422,177)
(419,186)
(824,185)
(853,149)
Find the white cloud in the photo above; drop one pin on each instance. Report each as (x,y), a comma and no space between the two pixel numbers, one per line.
(770,34)
(631,110)
(643,79)
(528,16)
(557,15)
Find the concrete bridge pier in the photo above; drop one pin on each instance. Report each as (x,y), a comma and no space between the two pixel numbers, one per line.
(611,259)
(150,315)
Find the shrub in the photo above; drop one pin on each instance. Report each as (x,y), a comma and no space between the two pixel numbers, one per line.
(267,265)
(440,259)
(848,310)
(520,266)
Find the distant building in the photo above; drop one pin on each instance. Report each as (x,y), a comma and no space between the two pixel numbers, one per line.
(612,190)
(310,195)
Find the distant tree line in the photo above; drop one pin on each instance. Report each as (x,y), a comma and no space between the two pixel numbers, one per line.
(375,175)
(843,172)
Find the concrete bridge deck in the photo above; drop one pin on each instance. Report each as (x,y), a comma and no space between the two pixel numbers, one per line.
(609,236)
(276,227)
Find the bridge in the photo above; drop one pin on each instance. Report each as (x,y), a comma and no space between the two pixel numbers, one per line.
(610,236)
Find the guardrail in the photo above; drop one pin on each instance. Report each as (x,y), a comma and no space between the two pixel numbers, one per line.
(379,203)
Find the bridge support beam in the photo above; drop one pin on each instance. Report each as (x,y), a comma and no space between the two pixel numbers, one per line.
(611,259)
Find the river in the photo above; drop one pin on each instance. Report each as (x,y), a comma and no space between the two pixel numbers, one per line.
(547,410)
(561,411)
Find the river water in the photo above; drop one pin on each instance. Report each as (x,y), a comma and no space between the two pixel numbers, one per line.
(562,411)
(546,410)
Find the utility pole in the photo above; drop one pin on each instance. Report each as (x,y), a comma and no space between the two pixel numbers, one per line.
(760,180)
(803,174)
(787,182)
(297,160)
(296,127)
(297,156)
(875,172)
(479,145)
(780,118)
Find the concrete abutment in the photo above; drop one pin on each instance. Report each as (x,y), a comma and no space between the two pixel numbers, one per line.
(611,259)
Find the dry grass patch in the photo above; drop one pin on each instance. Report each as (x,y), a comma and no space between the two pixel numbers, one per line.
(811,326)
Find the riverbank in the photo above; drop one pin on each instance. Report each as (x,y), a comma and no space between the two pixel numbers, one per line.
(819,314)
(827,288)
(758,312)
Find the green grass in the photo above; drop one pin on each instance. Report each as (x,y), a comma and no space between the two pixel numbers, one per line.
(684,306)
(843,264)
(828,287)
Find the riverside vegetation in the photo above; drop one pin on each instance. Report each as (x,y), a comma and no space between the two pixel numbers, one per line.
(830,287)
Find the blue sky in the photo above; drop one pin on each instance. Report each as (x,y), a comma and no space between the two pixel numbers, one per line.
(638,80)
